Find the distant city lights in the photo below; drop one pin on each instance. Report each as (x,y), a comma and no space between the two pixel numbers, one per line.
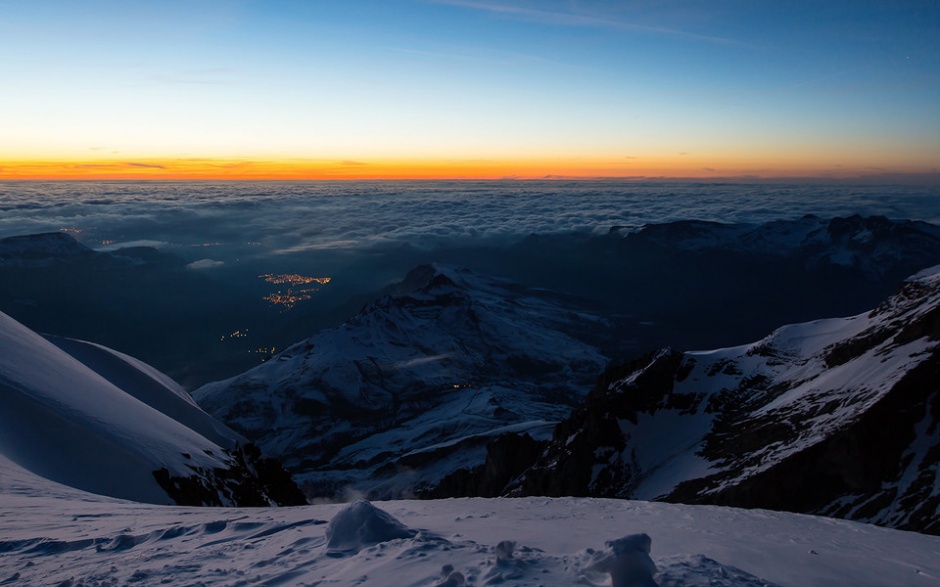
(286,300)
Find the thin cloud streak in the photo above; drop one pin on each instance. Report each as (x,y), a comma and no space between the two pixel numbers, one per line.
(145,165)
(580,20)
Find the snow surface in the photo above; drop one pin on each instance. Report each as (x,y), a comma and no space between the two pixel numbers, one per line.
(54,535)
(148,385)
(665,448)
(64,420)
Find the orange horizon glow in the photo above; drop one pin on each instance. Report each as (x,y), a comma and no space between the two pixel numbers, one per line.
(205,169)
(294,90)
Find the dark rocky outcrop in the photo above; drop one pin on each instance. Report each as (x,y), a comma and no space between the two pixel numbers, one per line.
(507,457)
(564,467)
(251,480)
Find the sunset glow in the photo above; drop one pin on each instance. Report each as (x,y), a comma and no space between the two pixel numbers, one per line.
(423,89)
(651,168)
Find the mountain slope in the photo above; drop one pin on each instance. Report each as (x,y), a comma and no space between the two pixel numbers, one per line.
(69,421)
(838,416)
(414,385)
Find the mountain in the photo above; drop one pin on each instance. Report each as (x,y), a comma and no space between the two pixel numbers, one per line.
(95,419)
(57,250)
(873,245)
(839,417)
(414,386)
(41,250)
(694,284)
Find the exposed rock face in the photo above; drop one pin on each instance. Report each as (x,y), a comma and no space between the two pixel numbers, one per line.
(417,383)
(250,480)
(838,417)
(507,457)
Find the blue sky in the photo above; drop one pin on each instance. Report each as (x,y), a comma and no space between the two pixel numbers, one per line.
(736,87)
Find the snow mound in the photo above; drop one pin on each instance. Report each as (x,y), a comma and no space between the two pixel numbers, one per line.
(451,577)
(361,525)
(627,562)
(701,571)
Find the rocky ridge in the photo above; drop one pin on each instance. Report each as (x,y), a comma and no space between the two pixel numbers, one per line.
(838,417)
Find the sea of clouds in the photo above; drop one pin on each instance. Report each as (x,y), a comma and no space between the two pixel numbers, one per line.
(212,220)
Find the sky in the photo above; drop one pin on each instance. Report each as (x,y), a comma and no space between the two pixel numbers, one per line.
(360,89)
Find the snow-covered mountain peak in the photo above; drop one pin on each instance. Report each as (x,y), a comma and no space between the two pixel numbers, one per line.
(417,381)
(424,277)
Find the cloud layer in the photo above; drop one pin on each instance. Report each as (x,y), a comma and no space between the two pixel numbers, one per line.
(277,218)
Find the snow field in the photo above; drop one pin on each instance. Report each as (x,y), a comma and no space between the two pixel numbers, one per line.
(54,535)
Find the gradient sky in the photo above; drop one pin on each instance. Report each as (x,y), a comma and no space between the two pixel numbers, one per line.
(468,88)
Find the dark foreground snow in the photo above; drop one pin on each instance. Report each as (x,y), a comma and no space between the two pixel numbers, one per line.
(54,535)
